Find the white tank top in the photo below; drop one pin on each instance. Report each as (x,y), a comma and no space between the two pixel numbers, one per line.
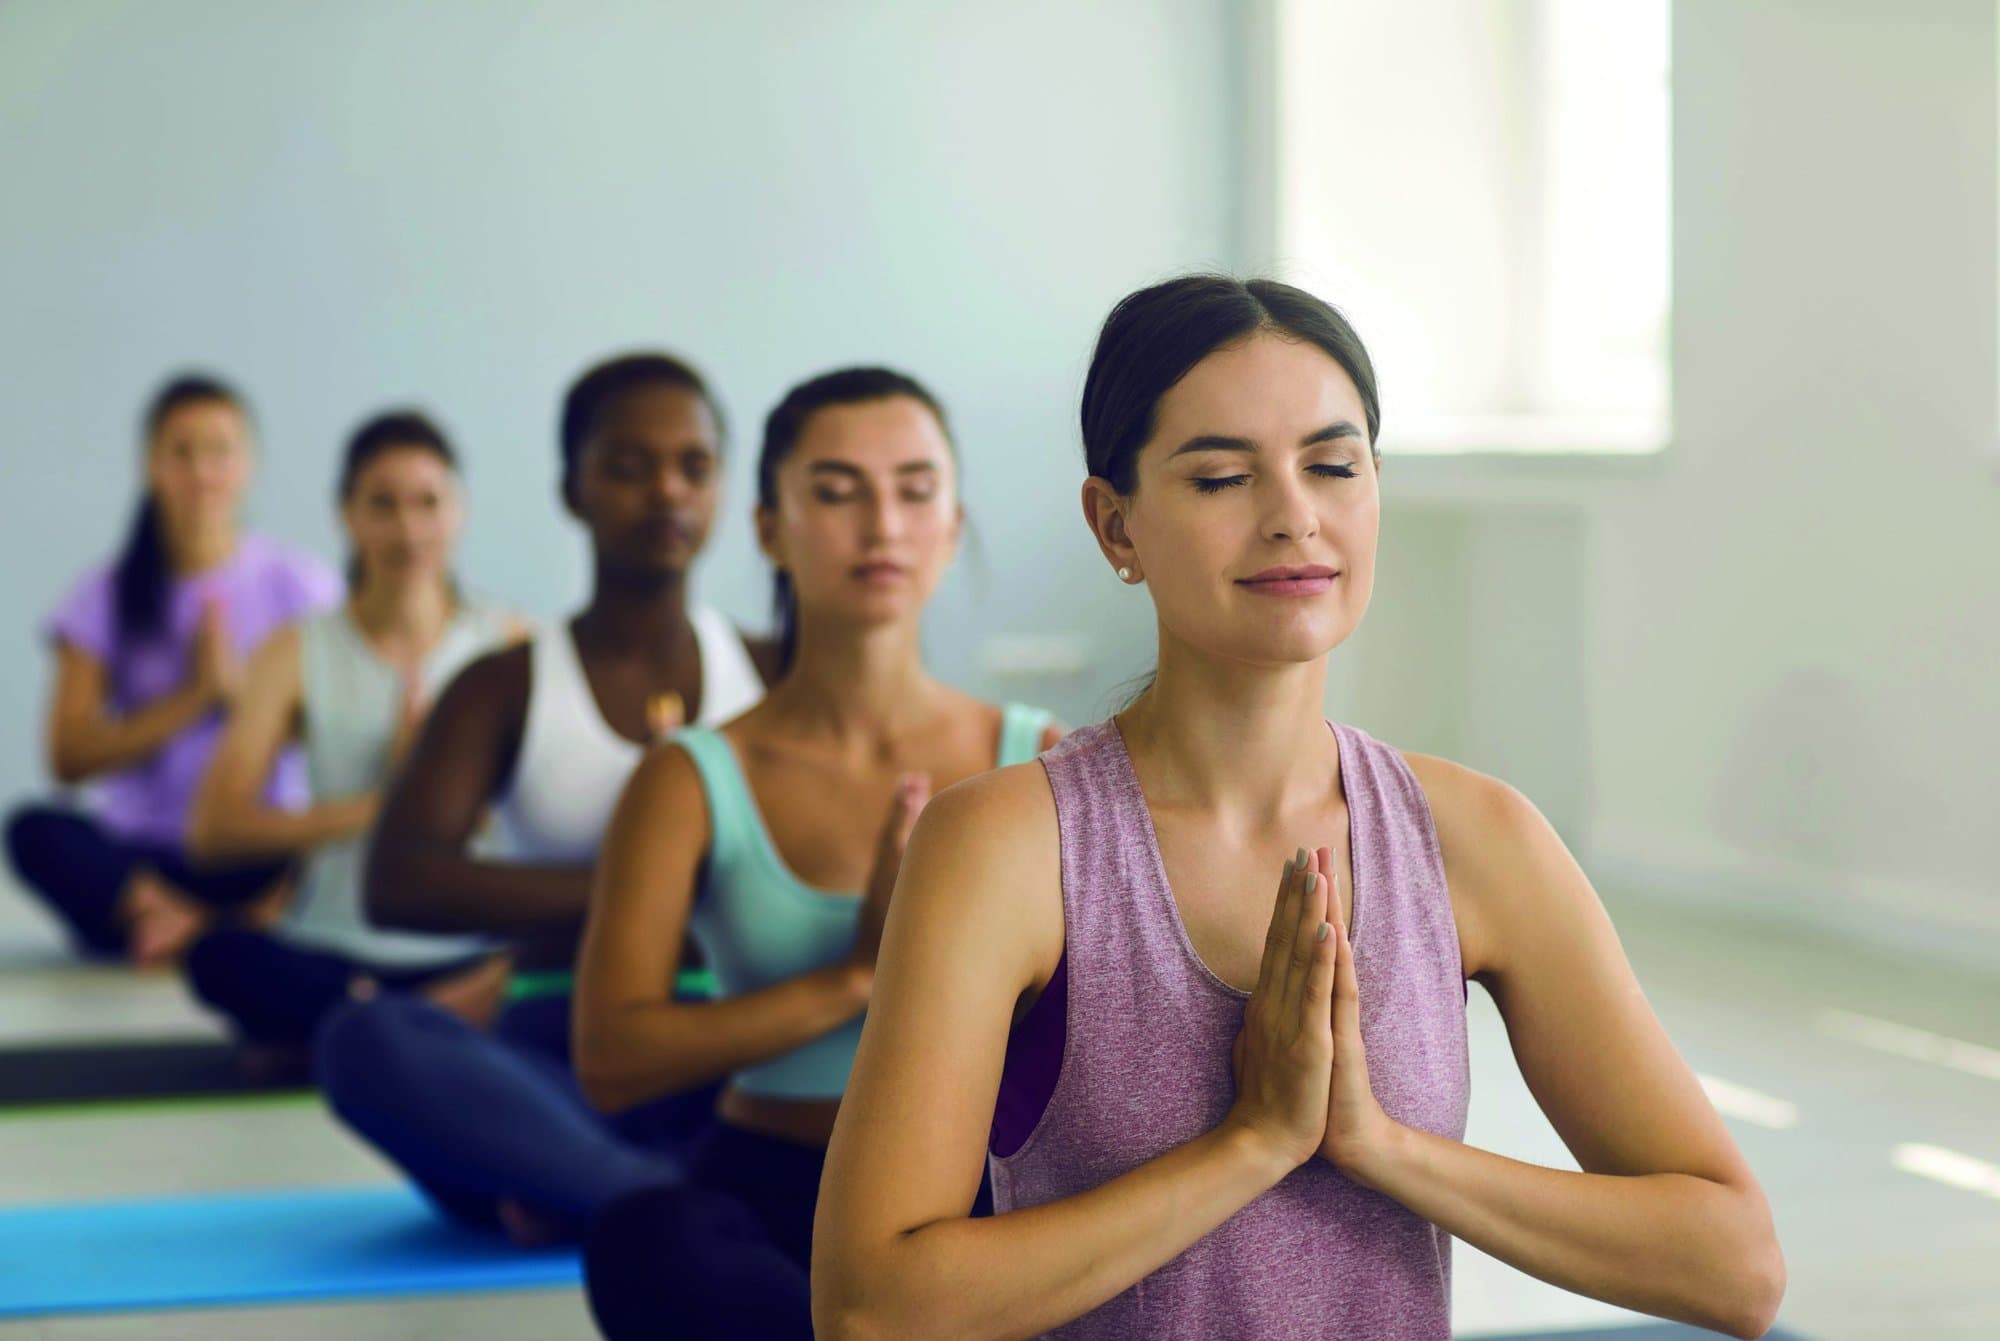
(572,765)
(351,699)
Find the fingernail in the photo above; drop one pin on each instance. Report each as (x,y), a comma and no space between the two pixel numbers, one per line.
(1298,862)
(1323,929)
(1312,881)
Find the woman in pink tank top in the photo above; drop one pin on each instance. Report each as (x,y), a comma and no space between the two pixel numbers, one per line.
(1209,1112)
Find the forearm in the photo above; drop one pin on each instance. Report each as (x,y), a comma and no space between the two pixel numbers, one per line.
(450,892)
(1669,1244)
(238,832)
(1027,1271)
(628,1054)
(83,749)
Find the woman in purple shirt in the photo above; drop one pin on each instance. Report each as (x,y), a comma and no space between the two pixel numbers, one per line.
(1212,1108)
(148,654)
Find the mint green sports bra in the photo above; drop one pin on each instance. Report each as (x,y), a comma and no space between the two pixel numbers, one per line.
(758,924)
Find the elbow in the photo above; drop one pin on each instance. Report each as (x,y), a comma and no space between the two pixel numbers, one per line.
(849,1324)
(840,1311)
(207,836)
(68,766)
(1745,1292)
(384,893)
(1760,1289)
(603,1092)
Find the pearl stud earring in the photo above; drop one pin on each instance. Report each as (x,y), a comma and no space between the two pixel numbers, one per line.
(1124,574)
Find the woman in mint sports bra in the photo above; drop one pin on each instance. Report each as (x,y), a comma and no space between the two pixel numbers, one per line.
(1209,1111)
(788,829)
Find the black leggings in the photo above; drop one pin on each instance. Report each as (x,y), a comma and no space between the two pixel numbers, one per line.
(80,871)
(277,992)
(723,1254)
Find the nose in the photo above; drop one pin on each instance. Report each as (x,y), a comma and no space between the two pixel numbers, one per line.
(671,483)
(1287,510)
(882,518)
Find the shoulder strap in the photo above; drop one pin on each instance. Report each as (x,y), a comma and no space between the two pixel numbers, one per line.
(731,810)
(1021,729)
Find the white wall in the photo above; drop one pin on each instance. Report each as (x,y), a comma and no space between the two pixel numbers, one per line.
(461,204)
(1758,669)
(1788,695)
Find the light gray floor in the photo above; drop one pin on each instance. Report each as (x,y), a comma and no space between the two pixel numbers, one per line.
(1876,1253)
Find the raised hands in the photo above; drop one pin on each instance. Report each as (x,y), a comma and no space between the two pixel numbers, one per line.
(912,791)
(1283,1057)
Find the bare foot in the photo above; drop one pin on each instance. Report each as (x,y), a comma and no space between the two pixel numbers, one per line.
(160,921)
(475,995)
(526,1228)
(268,909)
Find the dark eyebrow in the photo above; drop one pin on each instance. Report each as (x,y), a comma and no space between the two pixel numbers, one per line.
(1339,428)
(1215,442)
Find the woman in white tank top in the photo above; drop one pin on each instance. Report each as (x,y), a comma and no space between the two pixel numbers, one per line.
(491,1124)
(353,683)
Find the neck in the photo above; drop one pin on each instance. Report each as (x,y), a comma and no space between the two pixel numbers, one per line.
(854,681)
(638,612)
(418,608)
(197,546)
(1231,735)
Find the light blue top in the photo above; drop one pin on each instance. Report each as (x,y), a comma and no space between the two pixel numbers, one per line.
(758,924)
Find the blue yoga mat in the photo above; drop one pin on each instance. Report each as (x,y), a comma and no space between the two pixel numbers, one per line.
(253,1248)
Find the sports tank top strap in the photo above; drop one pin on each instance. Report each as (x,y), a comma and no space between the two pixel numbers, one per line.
(734,827)
(1022,726)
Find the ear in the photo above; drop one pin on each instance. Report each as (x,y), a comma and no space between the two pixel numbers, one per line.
(566,486)
(765,520)
(1104,509)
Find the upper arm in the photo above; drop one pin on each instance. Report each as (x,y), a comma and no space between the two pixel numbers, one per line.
(79,700)
(1588,1044)
(263,717)
(975,922)
(463,757)
(644,886)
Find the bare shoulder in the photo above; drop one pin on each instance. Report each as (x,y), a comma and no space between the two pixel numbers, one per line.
(1495,845)
(666,774)
(987,856)
(1000,808)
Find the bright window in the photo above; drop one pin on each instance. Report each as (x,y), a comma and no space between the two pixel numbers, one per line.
(1483,187)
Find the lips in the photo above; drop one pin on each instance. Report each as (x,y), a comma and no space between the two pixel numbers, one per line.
(1291,580)
(879,572)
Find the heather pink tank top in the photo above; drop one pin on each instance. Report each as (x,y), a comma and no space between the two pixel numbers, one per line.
(1145,1065)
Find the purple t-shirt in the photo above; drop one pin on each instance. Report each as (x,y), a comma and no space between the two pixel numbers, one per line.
(262,587)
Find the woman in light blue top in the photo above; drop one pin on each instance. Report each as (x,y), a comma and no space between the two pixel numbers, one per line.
(779,863)
(352,684)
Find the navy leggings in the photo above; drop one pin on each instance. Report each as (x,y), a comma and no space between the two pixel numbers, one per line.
(475,1118)
(277,992)
(80,871)
(724,1253)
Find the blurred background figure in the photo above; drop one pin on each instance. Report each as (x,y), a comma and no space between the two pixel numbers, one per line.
(353,684)
(149,652)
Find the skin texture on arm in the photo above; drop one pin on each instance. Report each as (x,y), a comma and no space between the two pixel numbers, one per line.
(633,1041)
(421,876)
(976,925)
(85,739)
(1666,1216)
(229,819)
